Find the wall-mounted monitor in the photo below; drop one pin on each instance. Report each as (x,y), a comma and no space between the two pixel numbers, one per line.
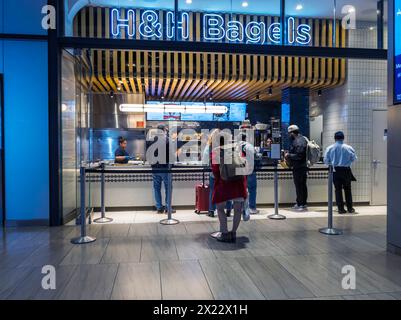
(236,112)
(397,51)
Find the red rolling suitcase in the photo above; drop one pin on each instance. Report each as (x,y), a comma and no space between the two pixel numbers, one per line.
(202,197)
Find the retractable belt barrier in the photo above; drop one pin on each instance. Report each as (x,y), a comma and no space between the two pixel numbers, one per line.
(102,170)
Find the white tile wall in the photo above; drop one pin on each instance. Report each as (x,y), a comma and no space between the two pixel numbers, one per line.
(349,108)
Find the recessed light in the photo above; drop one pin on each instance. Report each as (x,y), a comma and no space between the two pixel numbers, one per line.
(299,7)
(245,4)
(188,1)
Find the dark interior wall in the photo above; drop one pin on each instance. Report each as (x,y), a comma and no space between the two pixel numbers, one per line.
(298,100)
(263,111)
(394,180)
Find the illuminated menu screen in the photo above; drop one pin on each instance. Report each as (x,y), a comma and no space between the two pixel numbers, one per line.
(236,113)
(397,50)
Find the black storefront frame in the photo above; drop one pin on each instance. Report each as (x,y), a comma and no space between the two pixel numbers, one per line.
(57,42)
(2,156)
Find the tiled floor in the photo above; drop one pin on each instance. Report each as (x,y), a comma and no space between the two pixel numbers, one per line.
(190,216)
(272,260)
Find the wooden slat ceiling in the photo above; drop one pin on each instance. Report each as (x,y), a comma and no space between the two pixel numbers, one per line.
(189,76)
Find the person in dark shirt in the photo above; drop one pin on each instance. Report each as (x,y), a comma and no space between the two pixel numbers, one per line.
(298,161)
(161,178)
(121,155)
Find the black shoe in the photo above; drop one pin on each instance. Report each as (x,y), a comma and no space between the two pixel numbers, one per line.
(342,211)
(233,237)
(225,237)
(351,210)
(211,214)
(228,213)
(160,211)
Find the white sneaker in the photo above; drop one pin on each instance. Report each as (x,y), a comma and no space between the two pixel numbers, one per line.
(215,235)
(254,211)
(305,208)
(296,207)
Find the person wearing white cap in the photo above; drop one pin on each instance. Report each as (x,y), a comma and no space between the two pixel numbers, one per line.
(298,161)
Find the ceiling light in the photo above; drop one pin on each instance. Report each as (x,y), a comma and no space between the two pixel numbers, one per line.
(195,109)
(174,108)
(131,108)
(162,108)
(245,4)
(188,1)
(299,7)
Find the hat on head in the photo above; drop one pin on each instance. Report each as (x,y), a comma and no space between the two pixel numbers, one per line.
(339,135)
(246,124)
(293,128)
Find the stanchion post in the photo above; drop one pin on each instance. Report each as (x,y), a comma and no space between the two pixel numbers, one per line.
(83,239)
(169,220)
(276,215)
(103,218)
(330,230)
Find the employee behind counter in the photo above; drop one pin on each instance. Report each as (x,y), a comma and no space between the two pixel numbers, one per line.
(121,155)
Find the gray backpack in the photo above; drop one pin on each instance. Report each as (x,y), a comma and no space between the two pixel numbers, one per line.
(231,160)
(312,152)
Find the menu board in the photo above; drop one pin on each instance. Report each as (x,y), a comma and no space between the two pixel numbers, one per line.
(397,51)
(236,113)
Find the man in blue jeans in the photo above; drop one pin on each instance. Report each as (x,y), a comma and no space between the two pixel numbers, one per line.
(252,190)
(160,178)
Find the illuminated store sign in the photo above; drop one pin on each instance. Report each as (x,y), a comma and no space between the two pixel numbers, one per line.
(215,28)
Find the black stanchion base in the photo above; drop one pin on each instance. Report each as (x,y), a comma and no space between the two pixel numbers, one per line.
(331,231)
(83,240)
(103,220)
(169,222)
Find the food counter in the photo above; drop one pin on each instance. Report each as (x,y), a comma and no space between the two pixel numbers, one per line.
(130,191)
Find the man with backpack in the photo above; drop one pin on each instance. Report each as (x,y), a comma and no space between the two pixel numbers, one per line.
(298,160)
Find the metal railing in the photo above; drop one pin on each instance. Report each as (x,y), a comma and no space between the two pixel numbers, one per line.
(102,170)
